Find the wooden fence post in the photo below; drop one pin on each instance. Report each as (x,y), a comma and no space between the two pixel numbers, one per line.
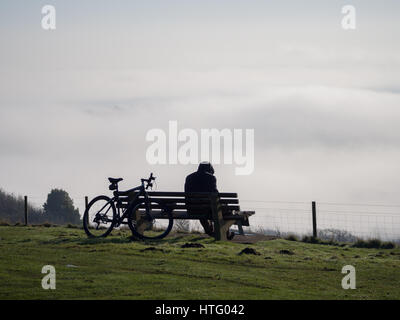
(314,219)
(86,206)
(26,210)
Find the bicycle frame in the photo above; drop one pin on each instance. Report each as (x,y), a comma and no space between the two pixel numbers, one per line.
(125,212)
(132,204)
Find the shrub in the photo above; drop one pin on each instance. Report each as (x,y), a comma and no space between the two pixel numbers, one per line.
(4,223)
(388,245)
(336,235)
(292,237)
(373,244)
(310,239)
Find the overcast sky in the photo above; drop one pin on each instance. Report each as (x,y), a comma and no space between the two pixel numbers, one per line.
(76,103)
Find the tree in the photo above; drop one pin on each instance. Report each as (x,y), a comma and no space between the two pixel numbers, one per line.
(12,209)
(59,208)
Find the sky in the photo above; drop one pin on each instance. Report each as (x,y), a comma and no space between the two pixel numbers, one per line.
(76,102)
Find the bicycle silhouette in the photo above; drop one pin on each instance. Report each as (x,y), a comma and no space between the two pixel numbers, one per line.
(103,213)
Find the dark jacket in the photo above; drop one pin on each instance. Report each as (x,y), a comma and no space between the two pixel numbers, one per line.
(202,180)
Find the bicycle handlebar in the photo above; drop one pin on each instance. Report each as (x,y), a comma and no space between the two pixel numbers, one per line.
(149,184)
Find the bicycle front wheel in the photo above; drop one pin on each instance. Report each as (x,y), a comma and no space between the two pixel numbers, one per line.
(99,217)
(150,221)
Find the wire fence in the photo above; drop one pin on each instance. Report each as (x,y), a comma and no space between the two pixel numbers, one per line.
(343,221)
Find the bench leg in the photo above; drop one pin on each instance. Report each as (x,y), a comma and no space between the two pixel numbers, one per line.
(221,232)
(221,226)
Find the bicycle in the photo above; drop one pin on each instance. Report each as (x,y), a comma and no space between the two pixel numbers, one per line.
(140,214)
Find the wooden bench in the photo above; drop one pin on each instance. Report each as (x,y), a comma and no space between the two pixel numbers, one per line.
(221,208)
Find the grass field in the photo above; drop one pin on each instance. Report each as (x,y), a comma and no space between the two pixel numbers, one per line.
(117,268)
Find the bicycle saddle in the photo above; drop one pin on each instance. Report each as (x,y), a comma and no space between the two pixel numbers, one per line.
(115,180)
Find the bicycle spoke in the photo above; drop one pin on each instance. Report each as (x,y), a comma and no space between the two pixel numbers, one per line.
(100,217)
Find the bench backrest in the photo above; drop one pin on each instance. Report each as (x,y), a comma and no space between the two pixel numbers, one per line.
(197,204)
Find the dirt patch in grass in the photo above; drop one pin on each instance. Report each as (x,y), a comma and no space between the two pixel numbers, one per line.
(253,238)
(288,252)
(192,245)
(249,251)
(152,249)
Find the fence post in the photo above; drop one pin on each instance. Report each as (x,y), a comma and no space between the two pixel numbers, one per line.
(86,206)
(86,202)
(314,219)
(26,210)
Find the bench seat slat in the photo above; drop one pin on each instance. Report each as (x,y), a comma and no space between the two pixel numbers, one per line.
(199,207)
(192,194)
(179,214)
(194,201)
(183,200)
(195,207)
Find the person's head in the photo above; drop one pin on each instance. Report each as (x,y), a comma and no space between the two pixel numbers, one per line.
(206,166)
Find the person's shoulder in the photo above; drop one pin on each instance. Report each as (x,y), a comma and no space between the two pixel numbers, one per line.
(190,176)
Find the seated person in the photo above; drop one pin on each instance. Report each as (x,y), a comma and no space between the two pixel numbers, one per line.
(203,180)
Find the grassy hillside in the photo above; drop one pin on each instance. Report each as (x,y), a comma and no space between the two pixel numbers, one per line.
(116,268)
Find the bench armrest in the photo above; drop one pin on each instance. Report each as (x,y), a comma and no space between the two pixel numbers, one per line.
(240,216)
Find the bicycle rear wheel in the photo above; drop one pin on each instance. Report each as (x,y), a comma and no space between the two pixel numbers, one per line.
(150,221)
(99,217)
